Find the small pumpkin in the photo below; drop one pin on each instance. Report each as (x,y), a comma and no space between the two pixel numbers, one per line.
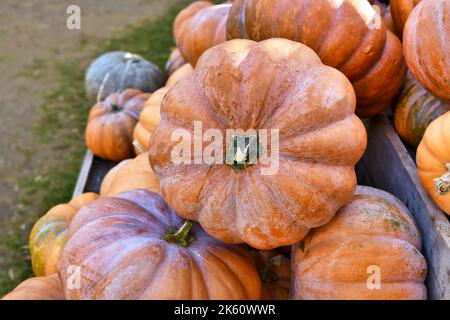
(369,250)
(49,233)
(118,70)
(109,132)
(39,288)
(350,37)
(433,161)
(133,246)
(415,110)
(245,84)
(401,9)
(426,45)
(199,27)
(128,175)
(175,61)
(179,74)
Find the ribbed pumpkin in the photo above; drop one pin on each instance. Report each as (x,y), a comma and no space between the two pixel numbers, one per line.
(39,288)
(128,175)
(426,45)
(400,10)
(415,110)
(350,37)
(433,161)
(373,235)
(150,115)
(199,27)
(49,234)
(280,86)
(109,132)
(385,12)
(175,61)
(133,246)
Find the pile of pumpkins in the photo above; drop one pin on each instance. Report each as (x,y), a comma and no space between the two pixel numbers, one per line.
(196,230)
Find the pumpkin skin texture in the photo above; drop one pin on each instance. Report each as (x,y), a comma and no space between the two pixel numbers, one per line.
(400,10)
(179,74)
(128,175)
(175,61)
(39,288)
(415,110)
(433,161)
(117,242)
(202,30)
(230,89)
(346,38)
(373,230)
(426,44)
(109,132)
(119,70)
(49,234)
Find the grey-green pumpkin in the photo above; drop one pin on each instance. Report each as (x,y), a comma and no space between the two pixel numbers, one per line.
(118,70)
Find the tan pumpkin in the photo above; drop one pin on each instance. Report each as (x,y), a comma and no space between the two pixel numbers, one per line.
(400,10)
(182,72)
(49,234)
(433,161)
(133,246)
(350,37)
(39,288)
(370,250)
(128,175)
(199,27)
(109,132)
(426,45)
(415,110)
(175,61)
(244,84)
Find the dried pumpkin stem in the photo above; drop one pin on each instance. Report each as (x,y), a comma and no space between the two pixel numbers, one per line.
(243,151)
(180,236)
(442,184)
(268,273)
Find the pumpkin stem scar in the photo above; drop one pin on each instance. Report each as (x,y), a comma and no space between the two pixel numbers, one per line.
(442,184)
(180,236)
(268,273)
(243,151)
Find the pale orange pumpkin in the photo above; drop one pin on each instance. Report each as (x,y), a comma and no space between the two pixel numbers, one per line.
(175,61)
(39,288)
(400,10)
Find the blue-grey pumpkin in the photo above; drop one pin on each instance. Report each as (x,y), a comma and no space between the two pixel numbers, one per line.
(116,71)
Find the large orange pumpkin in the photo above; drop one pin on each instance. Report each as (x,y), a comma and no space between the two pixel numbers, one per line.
(49,234)
(433,161)
(349,35)
(415,110)
(109,132)
(128,175)
(133,246)
(370,250)
(426,45)
(400,10)
(199,27)
(276,84)
(39,288)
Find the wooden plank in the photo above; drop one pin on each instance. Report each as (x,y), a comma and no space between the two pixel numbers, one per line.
(391,168)
(84,173)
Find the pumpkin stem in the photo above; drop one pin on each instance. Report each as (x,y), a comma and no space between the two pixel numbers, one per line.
(115,108)
(243,151)
(138,146)
(442,184)
(268,273)
(180,236)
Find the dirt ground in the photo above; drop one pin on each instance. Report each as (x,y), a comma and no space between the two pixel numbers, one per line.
(33,38)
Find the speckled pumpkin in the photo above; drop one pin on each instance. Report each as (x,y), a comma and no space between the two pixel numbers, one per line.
(400,10)
(350,37)
(128,175)
(415,110)
(433,161)
(39,288)
(133,246)
(373,235)
(109,131)
(49,234)
(426,45)
(275,84)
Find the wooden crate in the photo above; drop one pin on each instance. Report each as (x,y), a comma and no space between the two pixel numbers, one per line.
(386,165)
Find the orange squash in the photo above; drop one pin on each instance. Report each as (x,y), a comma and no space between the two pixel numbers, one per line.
(426,45)
(175,61)
(109,132)
(433,161)
(133,246)
(350,37)
(370,250)
(128,175)
(39,288)
(401,9)
(49,234)
(244,84)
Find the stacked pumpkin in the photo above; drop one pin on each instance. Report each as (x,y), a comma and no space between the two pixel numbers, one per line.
(210,216)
